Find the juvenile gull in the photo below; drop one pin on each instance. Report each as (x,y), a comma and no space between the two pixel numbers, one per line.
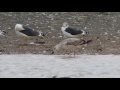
(69,45)
(25,31)
(71,32)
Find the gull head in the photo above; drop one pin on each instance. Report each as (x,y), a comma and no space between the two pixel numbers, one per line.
(18,27)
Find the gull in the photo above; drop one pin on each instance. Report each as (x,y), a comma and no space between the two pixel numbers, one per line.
(71,32)
(25,31)
(69,45)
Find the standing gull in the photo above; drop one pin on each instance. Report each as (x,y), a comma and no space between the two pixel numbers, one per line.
(71,32)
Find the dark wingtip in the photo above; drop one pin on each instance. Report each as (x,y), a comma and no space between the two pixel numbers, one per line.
(44,34)
(4,32)
(87,32)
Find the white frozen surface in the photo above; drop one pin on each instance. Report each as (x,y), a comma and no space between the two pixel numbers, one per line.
(47,66)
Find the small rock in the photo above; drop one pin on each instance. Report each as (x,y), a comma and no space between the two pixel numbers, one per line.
(44,52)
(9,27)
(106,33)
(60,36)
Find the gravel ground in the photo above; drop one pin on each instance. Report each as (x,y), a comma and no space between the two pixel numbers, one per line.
(103,27)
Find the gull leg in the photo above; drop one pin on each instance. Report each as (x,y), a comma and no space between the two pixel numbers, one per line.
(74,54)
(26,40)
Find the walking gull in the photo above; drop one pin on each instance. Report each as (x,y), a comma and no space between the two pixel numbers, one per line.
(69,45)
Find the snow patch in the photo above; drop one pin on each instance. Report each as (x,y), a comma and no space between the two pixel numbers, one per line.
(47,66)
